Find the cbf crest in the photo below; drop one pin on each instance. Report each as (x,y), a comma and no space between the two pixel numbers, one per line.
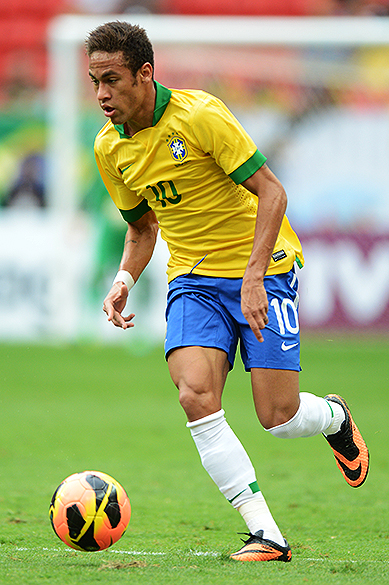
(178,148)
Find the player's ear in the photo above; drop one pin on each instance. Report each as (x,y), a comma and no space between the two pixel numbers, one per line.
(146,72)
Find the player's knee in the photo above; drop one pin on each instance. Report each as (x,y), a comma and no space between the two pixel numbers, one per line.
(199,381)
(188,401)
(281,431)
(276,417)
(196,401)
(288,428)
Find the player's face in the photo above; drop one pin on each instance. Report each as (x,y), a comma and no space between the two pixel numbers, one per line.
(121,96)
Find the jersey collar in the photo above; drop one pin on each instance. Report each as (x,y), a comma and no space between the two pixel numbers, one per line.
(163,95)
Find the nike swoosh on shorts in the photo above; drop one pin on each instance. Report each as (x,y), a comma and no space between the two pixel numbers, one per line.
(285,347)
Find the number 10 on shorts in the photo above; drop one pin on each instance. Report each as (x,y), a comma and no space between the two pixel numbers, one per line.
(286,312)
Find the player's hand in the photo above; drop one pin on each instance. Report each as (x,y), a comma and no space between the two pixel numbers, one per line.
(255,305)
(114,304)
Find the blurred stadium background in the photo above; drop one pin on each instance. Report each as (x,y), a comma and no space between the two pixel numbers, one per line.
(309,79)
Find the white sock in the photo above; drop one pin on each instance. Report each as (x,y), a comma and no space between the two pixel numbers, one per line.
(257,516)
(314,416)
(338,417)
(228,464)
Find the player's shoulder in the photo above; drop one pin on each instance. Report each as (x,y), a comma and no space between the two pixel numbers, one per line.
(193,99)
(106,137)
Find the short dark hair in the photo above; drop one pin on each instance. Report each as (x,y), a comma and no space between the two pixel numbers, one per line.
(130,39)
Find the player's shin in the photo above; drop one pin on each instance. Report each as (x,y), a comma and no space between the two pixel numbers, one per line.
(228,464)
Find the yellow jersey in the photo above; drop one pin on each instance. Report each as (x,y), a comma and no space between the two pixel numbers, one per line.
(187,167)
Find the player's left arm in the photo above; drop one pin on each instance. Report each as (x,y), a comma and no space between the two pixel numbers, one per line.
(272,202)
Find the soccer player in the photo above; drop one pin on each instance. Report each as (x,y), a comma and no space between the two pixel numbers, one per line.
(179,161)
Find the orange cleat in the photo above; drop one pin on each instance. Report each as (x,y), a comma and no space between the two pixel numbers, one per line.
(257,548)
(350,450)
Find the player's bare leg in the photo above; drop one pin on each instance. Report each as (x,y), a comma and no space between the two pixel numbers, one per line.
(287,413)
(199,374)
(276,395)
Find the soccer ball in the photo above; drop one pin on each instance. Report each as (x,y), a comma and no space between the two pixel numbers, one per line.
(90,511)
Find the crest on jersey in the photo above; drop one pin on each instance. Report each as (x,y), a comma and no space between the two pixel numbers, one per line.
(178,148)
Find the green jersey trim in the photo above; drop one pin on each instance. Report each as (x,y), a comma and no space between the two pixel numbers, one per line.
(162,98)
(120,129)
(130,215)
(255,162)
(161,101)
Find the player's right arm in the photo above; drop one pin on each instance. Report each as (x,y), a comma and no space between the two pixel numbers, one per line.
(138,248)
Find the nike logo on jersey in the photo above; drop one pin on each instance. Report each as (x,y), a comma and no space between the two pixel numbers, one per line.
(125,168)
(285,347)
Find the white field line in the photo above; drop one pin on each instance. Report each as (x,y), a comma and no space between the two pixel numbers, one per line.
(191,553)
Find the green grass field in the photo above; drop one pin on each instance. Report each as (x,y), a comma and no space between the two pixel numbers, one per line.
(66,409)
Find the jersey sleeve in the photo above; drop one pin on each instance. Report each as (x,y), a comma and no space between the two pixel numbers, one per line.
(222,136)
(130,205)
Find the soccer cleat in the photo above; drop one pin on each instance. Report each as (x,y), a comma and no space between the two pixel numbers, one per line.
(350,450)
(257,548)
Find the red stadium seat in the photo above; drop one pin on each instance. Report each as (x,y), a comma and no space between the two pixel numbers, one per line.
(25,8)
(21,33)
(247,7)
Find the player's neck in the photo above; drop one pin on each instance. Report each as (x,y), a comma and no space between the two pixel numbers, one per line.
(144,116)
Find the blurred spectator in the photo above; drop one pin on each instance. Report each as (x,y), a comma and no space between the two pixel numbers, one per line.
(97,6)
(362,7)
(115,6)
(28,189)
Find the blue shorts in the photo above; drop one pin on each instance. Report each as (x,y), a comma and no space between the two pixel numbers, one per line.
(204,311)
